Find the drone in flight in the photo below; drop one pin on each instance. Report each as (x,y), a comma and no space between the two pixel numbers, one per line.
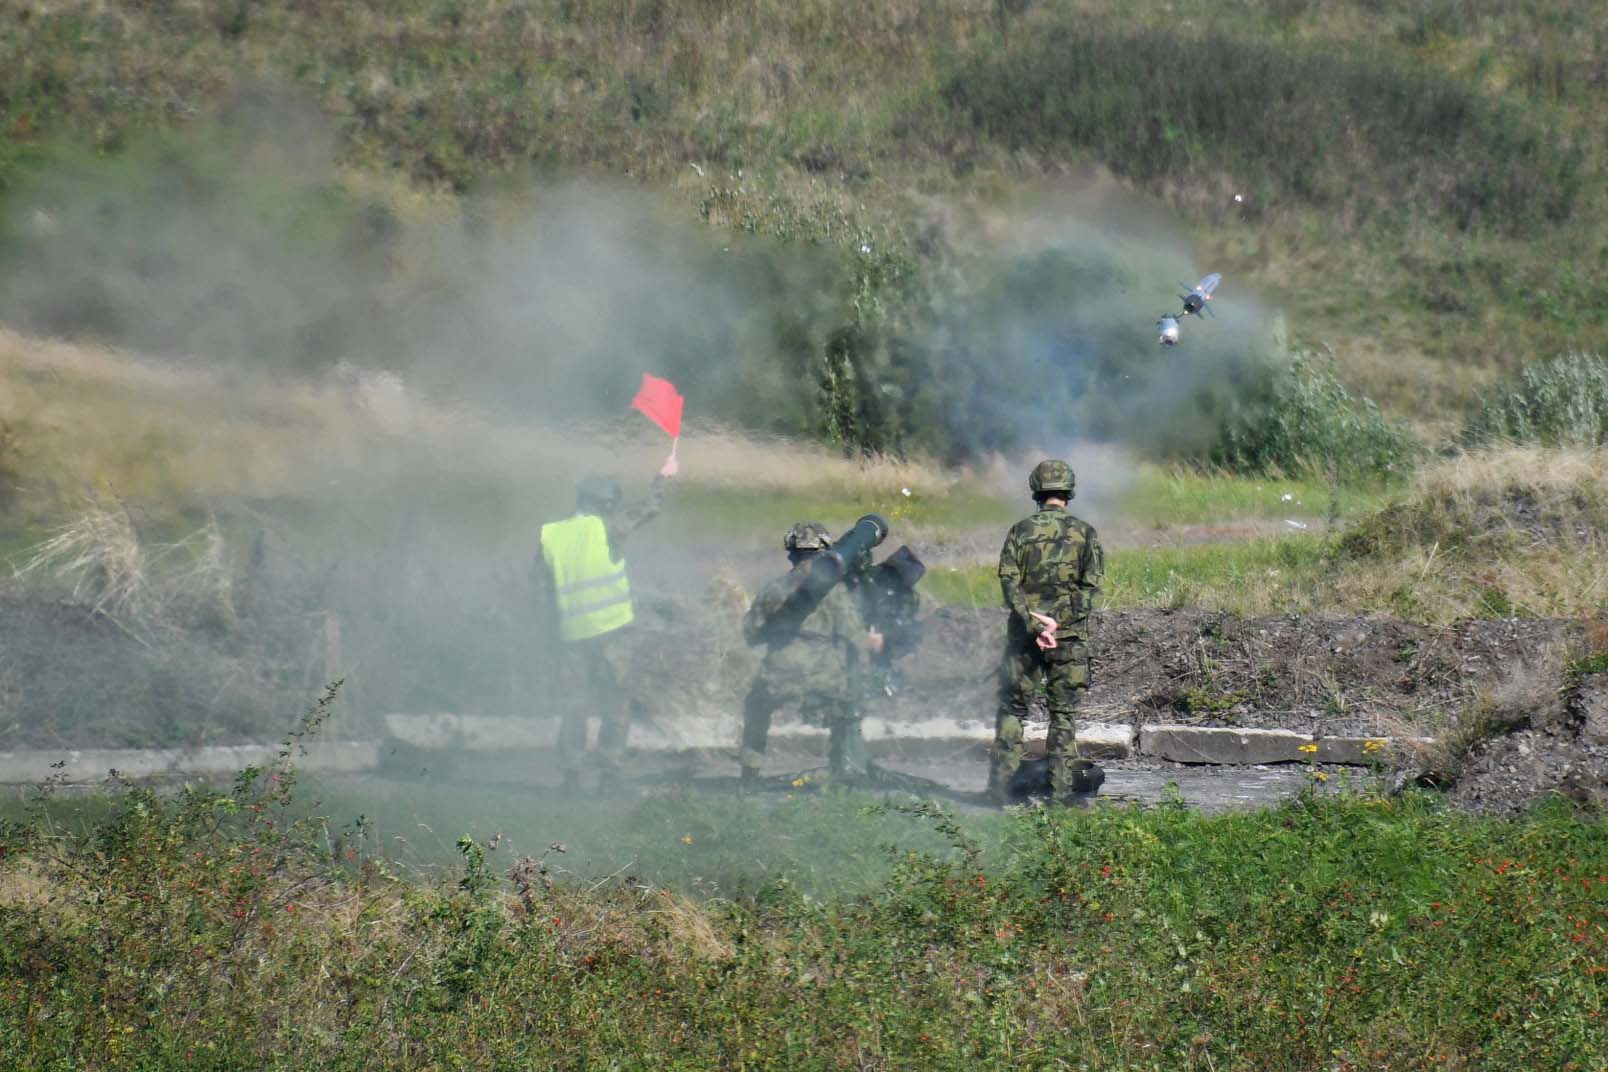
(1195,303)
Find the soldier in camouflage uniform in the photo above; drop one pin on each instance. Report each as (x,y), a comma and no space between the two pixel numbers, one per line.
(1049,572)
(817,644)
(592,610)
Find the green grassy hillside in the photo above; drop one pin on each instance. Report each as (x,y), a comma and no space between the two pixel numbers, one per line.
(1423,183)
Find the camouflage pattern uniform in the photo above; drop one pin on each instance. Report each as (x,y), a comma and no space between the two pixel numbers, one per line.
(812,659)
(1052,564)
(595,675)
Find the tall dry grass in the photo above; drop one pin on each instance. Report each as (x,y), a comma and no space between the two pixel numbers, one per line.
(100,556)
(1517,530)
(126,425)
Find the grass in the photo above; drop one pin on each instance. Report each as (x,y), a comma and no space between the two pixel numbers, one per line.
(1179,495)
(1503,532)
(1344,932)
(763,516)
(1421,184)
(1268,575)
(1492,533)
(1558,402)
(175,439)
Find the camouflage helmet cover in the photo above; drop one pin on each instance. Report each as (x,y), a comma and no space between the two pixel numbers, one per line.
(602,493)
(807,536)
(1052,475)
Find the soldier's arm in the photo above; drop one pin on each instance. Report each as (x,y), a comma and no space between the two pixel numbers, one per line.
(543,592)
(763,610)
(1010,583)
(1091,570)
(624,522)
(848,624)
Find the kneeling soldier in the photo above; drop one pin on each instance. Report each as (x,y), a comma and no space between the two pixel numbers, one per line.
(817,644)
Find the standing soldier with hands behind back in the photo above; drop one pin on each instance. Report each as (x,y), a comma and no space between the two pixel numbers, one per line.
(1049,572)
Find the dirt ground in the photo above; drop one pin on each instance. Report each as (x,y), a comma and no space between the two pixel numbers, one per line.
(1559,747)
(1336,676)
(1524,725)
(1499,689)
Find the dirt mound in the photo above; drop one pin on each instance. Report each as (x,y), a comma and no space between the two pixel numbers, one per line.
(1333,676)
(72,678)
(1559,749)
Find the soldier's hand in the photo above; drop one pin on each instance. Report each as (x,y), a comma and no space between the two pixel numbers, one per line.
(1046,623)
(874,641)
(1046,641)
(670,467)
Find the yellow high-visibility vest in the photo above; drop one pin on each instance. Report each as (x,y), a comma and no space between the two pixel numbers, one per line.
(594,596)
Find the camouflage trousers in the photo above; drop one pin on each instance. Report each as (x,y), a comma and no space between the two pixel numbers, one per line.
(595,679)
(846,751)
(1060,676)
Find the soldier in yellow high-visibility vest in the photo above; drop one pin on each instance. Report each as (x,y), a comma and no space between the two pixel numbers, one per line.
(583,571)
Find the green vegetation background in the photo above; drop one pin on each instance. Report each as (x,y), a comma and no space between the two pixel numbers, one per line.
(1423,183)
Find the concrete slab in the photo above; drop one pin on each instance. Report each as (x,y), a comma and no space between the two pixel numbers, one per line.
(482,733)
(92,765)
(1207,744)
(1204,788)
(1238,747)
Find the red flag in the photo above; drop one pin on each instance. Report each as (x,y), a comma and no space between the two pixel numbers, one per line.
(661,403)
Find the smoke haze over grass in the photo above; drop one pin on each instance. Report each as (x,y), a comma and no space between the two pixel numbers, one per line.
(241,246)
(381,396)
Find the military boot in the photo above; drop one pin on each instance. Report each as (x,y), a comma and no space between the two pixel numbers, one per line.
(1087,777)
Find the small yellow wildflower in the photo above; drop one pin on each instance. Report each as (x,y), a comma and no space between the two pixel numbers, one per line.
(1307,748)
(1372,745)
(800,783)
(687,840)
(1320,776)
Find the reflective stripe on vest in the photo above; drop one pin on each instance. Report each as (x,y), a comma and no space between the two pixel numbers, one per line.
(594,596)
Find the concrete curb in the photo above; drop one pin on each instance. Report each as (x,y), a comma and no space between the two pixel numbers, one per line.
(1227,745)
(93,765)
(481,733)
(434,733)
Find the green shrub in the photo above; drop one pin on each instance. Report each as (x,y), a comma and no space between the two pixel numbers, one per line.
(1559,402)
(1301,419)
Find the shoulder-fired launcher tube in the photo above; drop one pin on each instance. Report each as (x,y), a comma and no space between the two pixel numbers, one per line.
(833,564)
(856,544)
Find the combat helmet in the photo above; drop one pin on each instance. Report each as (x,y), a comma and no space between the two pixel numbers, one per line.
(807,536)
(1052,475)
(601,494)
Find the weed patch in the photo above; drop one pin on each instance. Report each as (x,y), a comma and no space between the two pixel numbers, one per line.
(219,926)
(1561,402)
(1301,420)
